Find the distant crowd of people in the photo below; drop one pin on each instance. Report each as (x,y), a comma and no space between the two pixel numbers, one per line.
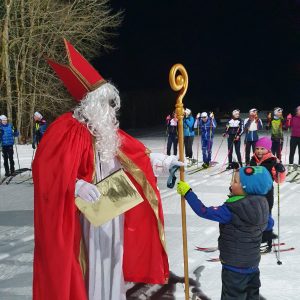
(8,133)
(205,124)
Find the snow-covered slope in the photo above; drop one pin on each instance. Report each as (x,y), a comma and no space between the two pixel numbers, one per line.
(278,281)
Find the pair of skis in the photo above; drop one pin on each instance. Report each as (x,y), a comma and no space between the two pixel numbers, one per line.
(293,175)
(216,259)
(199,169)
(8,179)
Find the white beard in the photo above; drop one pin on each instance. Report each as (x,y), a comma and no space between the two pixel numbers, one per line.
(98,111)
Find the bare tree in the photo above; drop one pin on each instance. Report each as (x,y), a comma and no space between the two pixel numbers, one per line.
(34,29)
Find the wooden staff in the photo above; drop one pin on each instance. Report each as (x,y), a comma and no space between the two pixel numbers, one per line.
(180,83)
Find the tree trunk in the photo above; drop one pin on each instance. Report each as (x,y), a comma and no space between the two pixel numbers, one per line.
(5,59)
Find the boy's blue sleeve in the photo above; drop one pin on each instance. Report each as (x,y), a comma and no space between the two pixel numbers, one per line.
(219,214)
(270,223)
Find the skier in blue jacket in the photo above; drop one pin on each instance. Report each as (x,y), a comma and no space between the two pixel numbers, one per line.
(243,218)
(188,132)
(207,125)
(7,135)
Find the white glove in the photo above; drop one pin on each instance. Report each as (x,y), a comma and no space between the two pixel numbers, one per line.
(212,115)
(161,163)
(198,115)
(86,191)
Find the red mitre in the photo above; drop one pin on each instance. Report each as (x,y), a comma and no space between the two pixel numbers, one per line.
(79,77)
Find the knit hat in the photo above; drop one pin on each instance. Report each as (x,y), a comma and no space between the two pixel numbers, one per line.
(277,110)
(255,180)
(264,142)
(187,111)
(3,117)
(253,110)
(38,115)
(235,112)
(204,115)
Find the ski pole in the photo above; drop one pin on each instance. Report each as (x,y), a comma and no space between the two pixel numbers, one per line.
(278,221)
(17,156)
(165,142)
(30,174)
(209,144)
(198,144)
(286,145)
(0,159)
(219,148)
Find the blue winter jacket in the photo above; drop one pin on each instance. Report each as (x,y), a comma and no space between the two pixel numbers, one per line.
(188,126)
(252,136)
(207,128)
(8,134)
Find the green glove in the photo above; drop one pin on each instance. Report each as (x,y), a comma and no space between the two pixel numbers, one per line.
(182,188)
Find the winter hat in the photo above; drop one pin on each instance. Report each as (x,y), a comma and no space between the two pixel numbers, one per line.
(255,180)
(188,111)
(3,117)
(204,115)
(277,110)
(38,115)
(264,142)
(235,112)
(253,110)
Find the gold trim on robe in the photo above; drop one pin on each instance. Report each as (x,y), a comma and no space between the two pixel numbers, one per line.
(148,190)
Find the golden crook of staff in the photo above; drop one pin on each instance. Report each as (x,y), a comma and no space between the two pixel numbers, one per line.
(180,83)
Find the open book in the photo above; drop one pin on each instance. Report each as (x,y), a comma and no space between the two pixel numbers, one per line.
(118,195)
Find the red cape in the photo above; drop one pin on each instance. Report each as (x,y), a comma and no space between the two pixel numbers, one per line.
(64,154)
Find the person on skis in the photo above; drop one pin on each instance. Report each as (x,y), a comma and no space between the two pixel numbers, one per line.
(264,157)
(7,136)
(39,128)
(243,217)
(276,124)
(188,132)
(206,125)
(293,122)
(172,133)
(252,125)
(234,130)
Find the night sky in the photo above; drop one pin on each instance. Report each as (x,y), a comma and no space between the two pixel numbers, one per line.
(238,54)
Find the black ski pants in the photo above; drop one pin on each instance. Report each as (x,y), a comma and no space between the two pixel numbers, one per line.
(237,286)
(249,145)
(294,143)
(237,147)
(8,155)
(172,140)
(188,145)
(277,148)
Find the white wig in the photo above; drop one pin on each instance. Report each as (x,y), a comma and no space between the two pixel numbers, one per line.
(98,110)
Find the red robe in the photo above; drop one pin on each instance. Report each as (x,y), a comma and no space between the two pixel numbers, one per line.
(64,154)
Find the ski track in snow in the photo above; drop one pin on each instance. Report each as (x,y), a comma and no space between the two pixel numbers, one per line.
(278,282)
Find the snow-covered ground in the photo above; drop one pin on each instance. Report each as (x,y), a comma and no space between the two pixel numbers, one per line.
(278,281)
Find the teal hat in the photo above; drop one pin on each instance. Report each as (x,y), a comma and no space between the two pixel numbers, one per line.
(255,180)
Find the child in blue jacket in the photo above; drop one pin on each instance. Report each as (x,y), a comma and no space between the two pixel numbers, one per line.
(7,135)
(243,218)
(207,125)
(188,132)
